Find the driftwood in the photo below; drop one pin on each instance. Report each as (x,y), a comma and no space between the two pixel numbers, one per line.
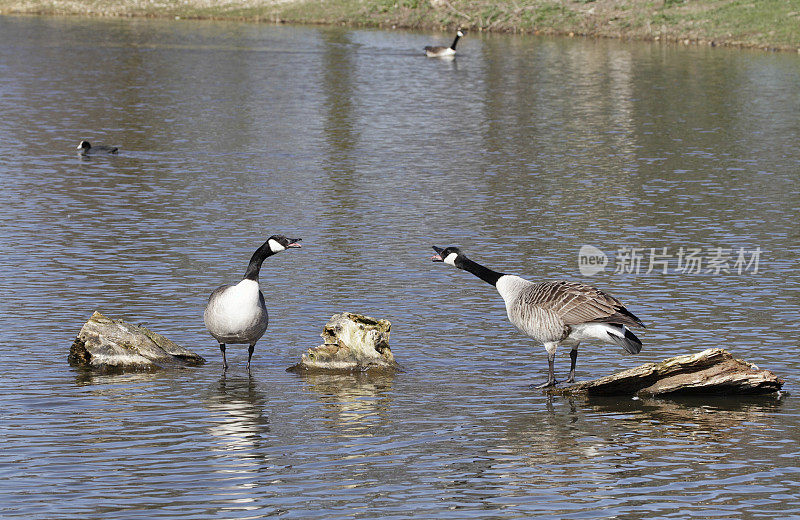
(712,371)
(352,343)
(108,344)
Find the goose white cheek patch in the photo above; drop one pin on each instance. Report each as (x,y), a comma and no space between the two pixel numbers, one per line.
(275,246)
(450,259)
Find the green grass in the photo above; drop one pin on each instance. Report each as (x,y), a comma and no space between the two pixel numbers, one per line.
(750,23)
(764,22)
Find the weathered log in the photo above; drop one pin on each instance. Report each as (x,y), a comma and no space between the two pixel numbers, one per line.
(108,344)
(352,343)
(712,371)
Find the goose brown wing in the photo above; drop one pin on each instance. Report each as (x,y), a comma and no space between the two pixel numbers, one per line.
(577,303)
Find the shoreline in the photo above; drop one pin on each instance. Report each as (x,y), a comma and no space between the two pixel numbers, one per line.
(770,26)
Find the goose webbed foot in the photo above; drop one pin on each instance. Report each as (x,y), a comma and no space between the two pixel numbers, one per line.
(549,384)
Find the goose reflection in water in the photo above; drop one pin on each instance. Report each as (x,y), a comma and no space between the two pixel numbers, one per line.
(237,406)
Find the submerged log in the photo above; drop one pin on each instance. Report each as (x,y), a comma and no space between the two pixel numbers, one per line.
(712,371)
(352,343)
(109,344)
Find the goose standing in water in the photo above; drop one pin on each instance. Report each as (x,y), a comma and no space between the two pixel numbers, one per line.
(236,314)
(86,148)
(443,52)
(555,313)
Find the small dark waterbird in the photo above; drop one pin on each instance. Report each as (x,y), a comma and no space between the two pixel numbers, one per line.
(86,148)
(556,312)
(435,51)
(237,314)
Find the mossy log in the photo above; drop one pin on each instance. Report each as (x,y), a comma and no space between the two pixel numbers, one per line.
(107,344)
(352,343)
(712,371)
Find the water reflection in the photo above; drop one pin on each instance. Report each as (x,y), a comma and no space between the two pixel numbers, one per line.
(579,428)
(623,454)
(347,201)
(340,91)
(718,414)
(340,129)
(239,427)
(353,403)
(238,418)
(122,378)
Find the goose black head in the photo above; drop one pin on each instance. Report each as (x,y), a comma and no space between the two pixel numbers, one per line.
(84,145)
(279,243)
(448,255)
(460,33)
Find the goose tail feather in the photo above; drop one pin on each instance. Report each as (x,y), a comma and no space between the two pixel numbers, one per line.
(626,339)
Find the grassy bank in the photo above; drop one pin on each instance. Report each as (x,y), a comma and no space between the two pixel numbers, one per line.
(769,24)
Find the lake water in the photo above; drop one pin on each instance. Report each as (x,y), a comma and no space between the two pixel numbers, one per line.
(521,151)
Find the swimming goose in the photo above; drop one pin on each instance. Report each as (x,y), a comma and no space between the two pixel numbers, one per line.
(86,148)
(443,52)
(555,313)
(236,314)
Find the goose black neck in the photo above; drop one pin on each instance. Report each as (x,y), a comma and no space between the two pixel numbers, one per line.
(484,273)
(256,260)
(455,42)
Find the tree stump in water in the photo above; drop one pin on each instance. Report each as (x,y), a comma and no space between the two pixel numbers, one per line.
(114,345)
(712,371)
(353,343)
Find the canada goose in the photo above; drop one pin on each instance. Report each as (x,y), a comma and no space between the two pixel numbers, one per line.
(443,52)
(555,313)
(86,148)
(236,314)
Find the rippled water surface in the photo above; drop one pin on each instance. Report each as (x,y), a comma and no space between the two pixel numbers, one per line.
(521,151)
